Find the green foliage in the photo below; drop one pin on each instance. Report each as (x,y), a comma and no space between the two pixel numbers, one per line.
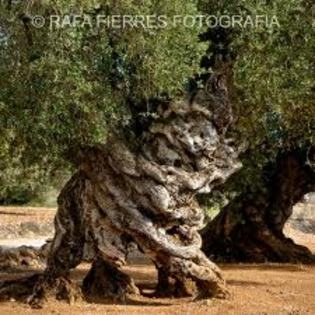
(273,71)
(213,205)
(72,84)
(281,72)
(61,88)
(21,183)
(273,89)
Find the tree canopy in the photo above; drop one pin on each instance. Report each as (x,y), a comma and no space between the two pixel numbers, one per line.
(71,86)
(272,83)
(63,87)
(273,70)
(66,87)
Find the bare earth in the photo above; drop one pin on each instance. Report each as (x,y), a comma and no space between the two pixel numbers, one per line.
(255,289)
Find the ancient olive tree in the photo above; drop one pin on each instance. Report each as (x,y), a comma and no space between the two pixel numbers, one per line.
(273,94)
(79,88)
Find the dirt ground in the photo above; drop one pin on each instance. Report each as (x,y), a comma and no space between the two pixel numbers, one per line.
(26,222)
(254,289)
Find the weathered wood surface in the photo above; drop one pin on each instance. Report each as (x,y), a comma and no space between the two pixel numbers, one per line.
(145,194)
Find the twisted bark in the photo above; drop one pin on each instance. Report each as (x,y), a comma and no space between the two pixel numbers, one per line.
(146,194)
(169,286)
(250,228)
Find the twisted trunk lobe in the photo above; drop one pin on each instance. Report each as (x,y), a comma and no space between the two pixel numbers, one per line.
(146,194)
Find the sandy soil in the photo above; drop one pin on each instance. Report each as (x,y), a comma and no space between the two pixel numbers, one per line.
(269,289)
(301,225)
(255,289)
(26,222)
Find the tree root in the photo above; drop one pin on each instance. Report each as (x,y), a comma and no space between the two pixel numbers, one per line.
(208,290)
(173,287)
(36,289)
(105,280)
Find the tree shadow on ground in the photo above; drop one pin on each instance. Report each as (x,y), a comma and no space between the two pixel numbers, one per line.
(261,267)
(245,283)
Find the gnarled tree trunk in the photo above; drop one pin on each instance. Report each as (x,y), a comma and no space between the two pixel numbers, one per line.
(250,228)
(145,193)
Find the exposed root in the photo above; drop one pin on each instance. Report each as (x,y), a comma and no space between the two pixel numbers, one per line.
(169,286)
(208,290)
(59,288)
(36,289)
(104,280)
(18,289)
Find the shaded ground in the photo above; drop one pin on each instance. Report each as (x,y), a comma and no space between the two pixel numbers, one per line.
(255,289)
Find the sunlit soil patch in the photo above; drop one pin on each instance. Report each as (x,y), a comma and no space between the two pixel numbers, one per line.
(301,226)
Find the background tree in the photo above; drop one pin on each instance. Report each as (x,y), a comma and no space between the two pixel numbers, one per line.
(273,89)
